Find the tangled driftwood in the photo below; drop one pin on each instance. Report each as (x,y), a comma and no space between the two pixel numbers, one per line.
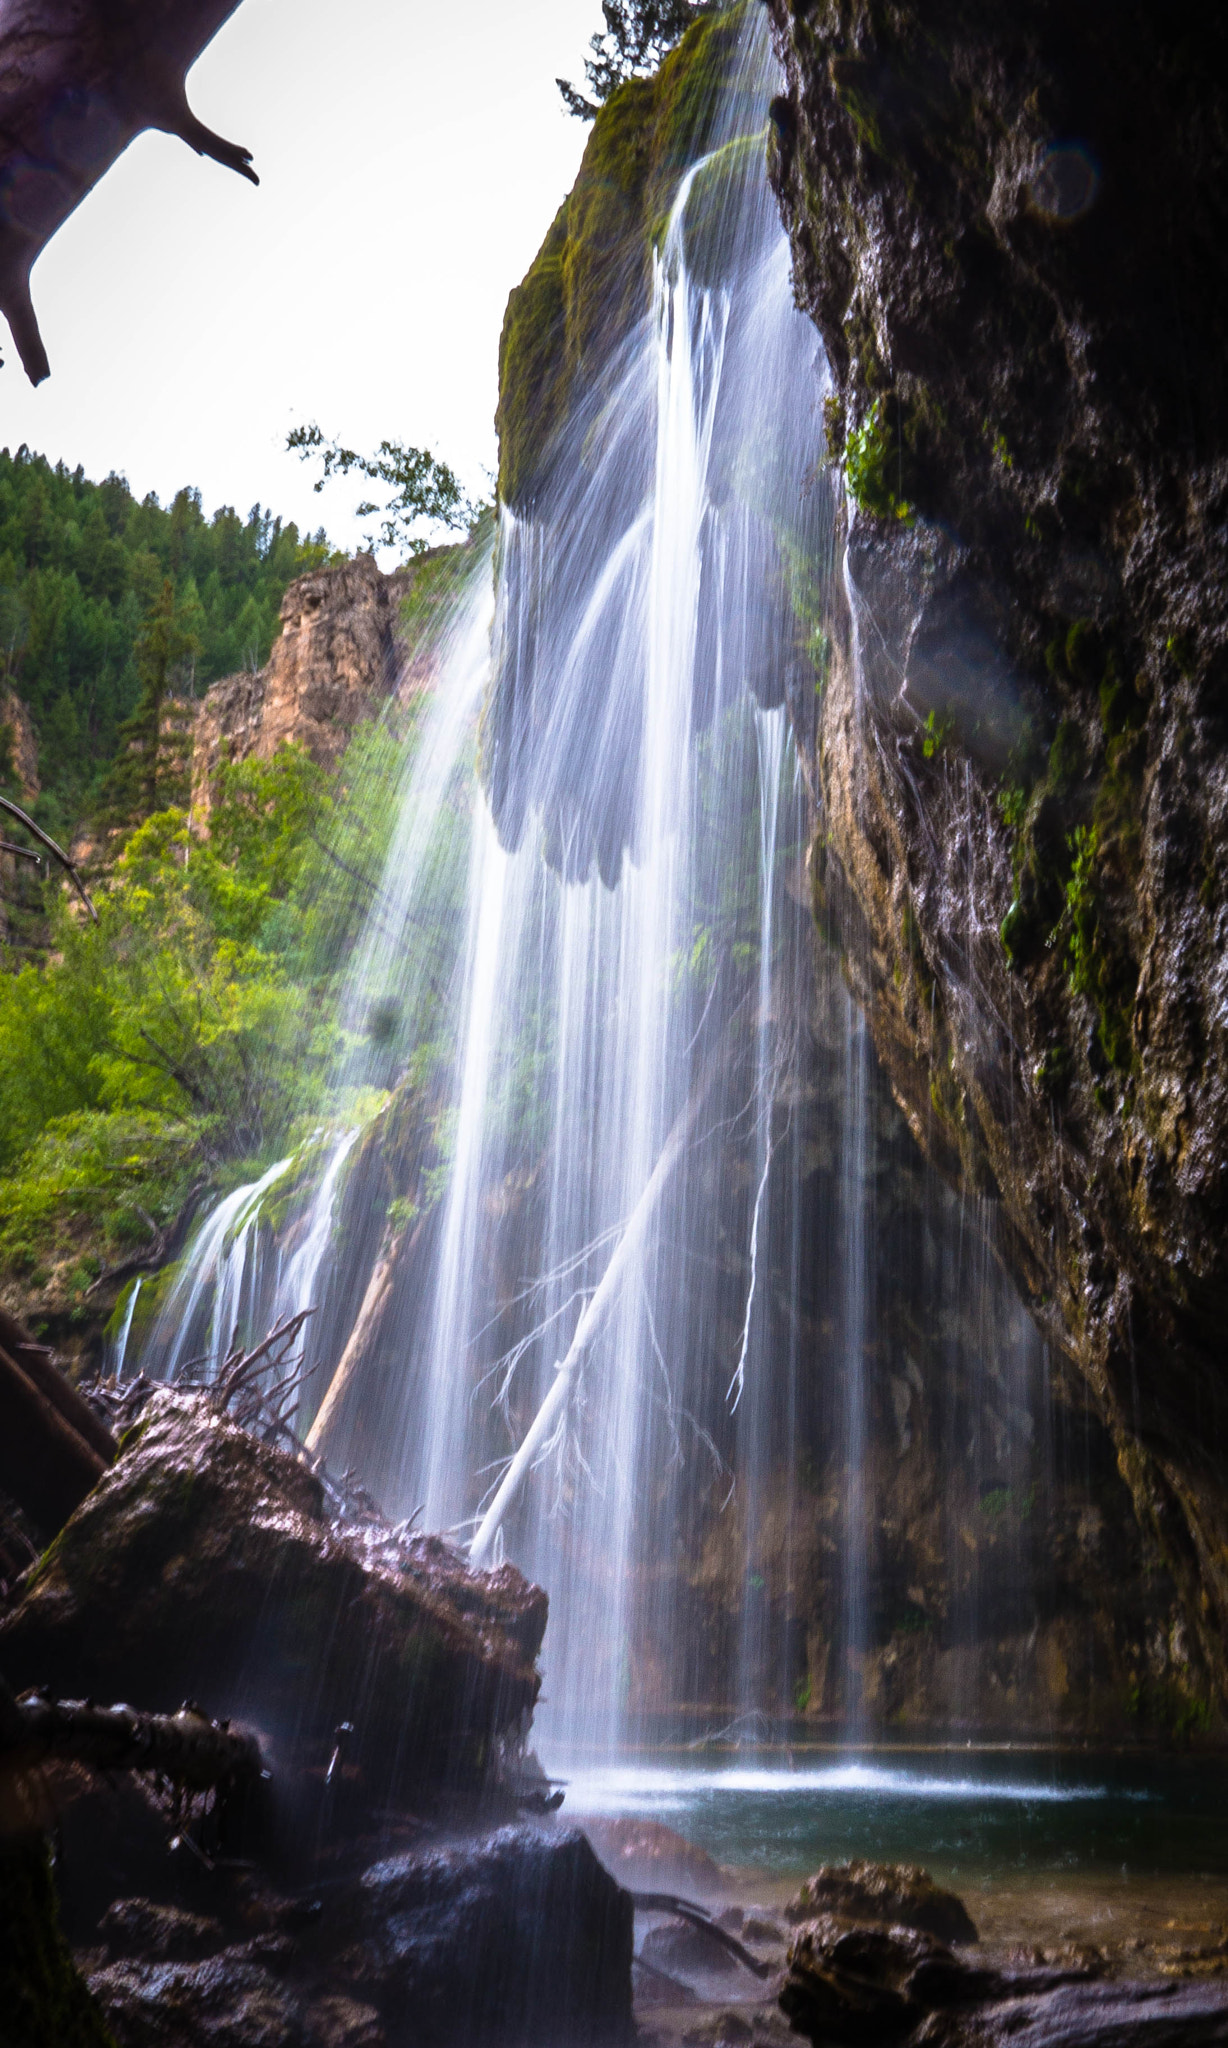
(78,80)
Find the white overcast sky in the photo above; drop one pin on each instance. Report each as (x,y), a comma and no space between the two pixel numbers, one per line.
(411,157)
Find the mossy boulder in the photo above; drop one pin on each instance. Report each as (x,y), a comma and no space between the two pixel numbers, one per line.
(204,1565)
(591,278)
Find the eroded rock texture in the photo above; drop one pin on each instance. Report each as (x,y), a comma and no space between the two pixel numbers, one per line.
(339,656)
(1005,224)
(851,1986)
(516,1937)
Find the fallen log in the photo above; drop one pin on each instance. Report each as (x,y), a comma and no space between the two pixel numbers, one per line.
(370,1316)
(186,1747)
(45,1463)
(37,1361)
(591,1322)
(698,1916)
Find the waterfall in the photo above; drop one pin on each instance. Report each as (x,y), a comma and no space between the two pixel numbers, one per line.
(206,1302)
(596,1281)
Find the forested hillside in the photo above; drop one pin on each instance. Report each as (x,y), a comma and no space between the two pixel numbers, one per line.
(82,567)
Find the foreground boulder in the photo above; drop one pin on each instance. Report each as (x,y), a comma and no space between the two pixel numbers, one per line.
(895,1894)
(204,1565)
(883,1987)
(514,1938)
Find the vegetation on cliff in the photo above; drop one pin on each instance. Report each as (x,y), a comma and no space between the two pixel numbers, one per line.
(193,1031)
(590,280)
(636,37)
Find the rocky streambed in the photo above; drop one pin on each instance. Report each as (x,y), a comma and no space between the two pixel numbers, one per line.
(381,1862)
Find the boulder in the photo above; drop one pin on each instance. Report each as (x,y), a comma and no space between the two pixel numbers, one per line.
(647,1855)
(517,1937)
(679,1947)
(204,1565)
(520,1937)
(895,1894)
(851,1985)
(870,1987)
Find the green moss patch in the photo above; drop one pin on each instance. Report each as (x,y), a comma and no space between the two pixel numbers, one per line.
(591,278)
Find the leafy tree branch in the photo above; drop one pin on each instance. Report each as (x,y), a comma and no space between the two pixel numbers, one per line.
(419,490)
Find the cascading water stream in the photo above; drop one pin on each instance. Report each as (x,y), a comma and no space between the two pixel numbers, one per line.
(611,1318)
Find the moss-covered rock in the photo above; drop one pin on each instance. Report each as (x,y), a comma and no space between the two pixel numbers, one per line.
(590,280)
(44,2002)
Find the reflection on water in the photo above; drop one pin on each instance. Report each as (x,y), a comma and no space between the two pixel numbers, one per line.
(972,1817)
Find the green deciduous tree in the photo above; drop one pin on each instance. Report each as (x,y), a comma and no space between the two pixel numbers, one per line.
(421,493)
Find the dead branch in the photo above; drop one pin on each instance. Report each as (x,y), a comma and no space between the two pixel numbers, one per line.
(57,852)
(80,81)
(236,1371)
(698,1916)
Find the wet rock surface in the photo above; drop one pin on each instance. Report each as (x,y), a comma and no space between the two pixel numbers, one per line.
(514,1937)
(205,1566)
(1021,748)
(356,1897)
(878,1985)
(648,1856)
(898,1894)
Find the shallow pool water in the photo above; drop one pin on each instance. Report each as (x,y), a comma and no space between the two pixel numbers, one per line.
(969,1816)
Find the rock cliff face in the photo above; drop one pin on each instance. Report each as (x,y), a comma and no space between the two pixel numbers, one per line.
(1005,224)
(342,650)
(21,752)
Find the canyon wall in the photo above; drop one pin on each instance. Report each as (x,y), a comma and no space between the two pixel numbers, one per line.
(344,648)
(1006,225)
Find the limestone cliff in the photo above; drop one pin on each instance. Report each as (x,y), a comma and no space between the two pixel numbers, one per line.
(1006,224)
(344,647)
(590,281)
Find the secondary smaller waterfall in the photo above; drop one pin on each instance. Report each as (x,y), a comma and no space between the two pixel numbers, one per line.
(204,1305)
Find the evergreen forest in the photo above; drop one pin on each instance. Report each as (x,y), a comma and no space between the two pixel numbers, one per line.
(82,571)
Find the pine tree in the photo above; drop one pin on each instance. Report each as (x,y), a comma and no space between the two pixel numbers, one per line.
(150,771)
(638,34)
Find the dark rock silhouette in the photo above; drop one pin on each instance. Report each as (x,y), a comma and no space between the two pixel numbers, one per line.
(895,1893)
(78,80)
